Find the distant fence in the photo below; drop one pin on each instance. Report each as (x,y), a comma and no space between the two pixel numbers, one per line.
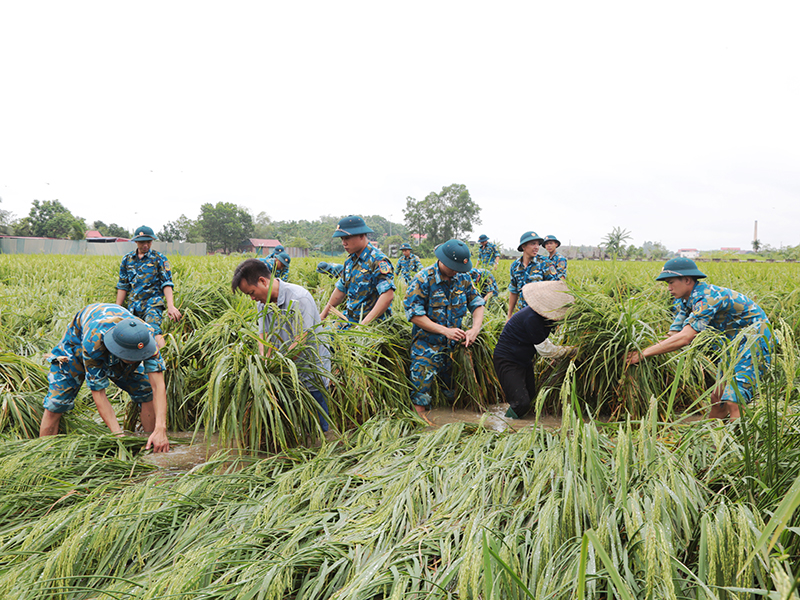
(73,247)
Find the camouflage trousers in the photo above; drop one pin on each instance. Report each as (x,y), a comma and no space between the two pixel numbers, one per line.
(65,381)
(751,355)
(429,361)
(151,312)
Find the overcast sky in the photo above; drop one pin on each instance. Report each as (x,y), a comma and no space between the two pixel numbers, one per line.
(679,121)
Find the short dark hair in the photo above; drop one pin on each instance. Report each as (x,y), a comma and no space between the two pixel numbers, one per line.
(250,271)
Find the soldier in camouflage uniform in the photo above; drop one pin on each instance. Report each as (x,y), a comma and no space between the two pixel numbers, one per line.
(408,264)
(436,302)
(332,270)
(275,251)
(146,275)
(106,342)
(488,254)
(554,266)
(525,269)
(367,280)
(485,283)
(699,306)
(279,265)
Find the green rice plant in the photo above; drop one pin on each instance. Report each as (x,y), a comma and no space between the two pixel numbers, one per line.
(604,331)
(19,374)
(20,413)
(395,512)
(370,371)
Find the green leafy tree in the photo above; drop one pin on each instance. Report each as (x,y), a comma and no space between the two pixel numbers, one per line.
(52,219)
(615,241)
(182,229)
(655,250)
(112,230)
(115,230)
(449,214)
(225,226)
(5,221)
(263,227)
(298,242)
(392,239)
(756,245)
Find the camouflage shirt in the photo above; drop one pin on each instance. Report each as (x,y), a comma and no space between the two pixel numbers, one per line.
(521,275)
(145,278)
(83,346)
(488,255)
(282,273)
(554,268)
(408,266)
(717,307)
(331,270)
(443,301)
(484,281)
(364,278)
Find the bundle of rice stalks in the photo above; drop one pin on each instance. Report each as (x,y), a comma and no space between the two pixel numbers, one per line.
(20,414)
(19,374)
(188,359)
(604,331)
(370,371)
(474,379)
(37,476)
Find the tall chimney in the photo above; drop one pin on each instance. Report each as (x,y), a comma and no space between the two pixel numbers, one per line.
(755,232)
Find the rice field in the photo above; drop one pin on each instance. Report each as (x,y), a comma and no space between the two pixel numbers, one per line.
(633,496)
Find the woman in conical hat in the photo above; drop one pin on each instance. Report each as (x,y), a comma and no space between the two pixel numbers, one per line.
(525,336)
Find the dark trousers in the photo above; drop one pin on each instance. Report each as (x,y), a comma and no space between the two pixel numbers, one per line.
(518,383)
(324,405)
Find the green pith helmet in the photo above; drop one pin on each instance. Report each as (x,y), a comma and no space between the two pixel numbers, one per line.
(455,255)
(679,267)
(284,258)
(322,267)
(405,247)
(352,225)
(483,238)
(143,234)
(278,249)
(551,238)
(130,339)
(528,236)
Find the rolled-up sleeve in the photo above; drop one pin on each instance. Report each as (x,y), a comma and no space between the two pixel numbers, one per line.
(416,297)
(124,281)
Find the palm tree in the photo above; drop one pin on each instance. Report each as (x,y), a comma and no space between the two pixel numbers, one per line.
(615,241)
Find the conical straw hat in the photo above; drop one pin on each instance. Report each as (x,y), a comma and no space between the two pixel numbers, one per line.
(548,298)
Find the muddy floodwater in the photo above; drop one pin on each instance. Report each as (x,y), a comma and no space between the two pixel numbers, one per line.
(188,450)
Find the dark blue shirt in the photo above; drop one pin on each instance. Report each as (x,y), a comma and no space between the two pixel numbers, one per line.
(520,333)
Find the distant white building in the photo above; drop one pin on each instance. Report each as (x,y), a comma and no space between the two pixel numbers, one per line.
(689,253)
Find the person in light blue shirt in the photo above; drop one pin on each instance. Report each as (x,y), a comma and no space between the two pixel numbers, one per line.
(296,321)
(698,306)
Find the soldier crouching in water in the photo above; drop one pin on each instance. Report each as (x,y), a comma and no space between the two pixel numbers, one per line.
(436,302)
(700,305)
(106,342)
